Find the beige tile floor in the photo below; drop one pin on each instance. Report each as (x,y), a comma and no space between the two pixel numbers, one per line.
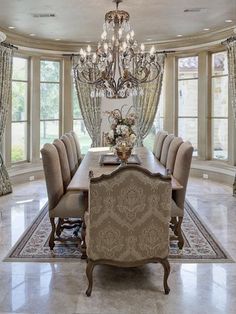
(59,287)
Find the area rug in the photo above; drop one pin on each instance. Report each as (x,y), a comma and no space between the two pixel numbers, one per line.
(200,245)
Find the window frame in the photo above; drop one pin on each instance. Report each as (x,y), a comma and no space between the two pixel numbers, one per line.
(60,84)
(28,111)
(211,118)
(177,116)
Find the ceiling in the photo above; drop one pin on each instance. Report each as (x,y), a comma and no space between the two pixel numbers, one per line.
(81,21)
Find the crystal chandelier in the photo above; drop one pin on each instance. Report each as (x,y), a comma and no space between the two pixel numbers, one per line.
(119,66)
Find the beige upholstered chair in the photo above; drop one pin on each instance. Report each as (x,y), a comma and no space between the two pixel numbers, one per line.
(172,152)
(160,141)
(73,146)
(181,173)
(155,142)
(65,167)
(68,205)
(73,163)
(127,224)
(165,148)
(78,149)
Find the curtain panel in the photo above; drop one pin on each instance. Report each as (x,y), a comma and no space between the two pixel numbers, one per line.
(90,108)
(6,57)
(146,105)
(231,49)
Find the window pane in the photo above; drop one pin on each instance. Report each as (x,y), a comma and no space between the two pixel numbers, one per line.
(20,69)
(84,139)
(188,130)
(188,67)
(219,63)
(220,96)
(188,98)
(19,101)
(49,101)
(19,141)
(220,138)
(49,71)
(76,109)
(49,131)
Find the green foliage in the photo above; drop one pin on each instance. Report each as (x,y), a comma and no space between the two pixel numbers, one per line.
(17,153)
(49,71)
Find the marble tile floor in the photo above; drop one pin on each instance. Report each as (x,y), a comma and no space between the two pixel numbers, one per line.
(60,287)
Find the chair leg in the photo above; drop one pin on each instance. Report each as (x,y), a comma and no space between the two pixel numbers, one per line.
(166,266)
(179,233)
(89,273)
(83,243)
(52,236)
(58,230)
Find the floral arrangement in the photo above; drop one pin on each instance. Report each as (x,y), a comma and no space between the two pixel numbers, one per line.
(121,128)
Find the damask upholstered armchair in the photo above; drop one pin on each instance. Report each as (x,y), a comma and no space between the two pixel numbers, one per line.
(127,223)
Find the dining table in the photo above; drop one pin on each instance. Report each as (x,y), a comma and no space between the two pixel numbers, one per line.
(92,162)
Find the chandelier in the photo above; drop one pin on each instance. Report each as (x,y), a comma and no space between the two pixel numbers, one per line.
(118,67)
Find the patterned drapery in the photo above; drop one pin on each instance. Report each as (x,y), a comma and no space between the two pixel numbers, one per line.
(146,105)
(6,55)
(90,108)
(231,49)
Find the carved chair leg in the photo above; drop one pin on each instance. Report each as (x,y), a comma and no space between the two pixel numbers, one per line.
(83,243)
(58,230)
(89,273)
(52,236)
(179,233)
(166,266)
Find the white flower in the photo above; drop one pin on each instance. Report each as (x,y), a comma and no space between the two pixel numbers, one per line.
(132,138)
(111,134)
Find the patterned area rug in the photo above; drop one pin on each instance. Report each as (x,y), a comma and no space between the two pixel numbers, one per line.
(200,245)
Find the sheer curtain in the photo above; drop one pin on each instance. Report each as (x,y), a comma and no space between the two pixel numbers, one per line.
(231,49)
(146,105)
(90,109)
(6,57)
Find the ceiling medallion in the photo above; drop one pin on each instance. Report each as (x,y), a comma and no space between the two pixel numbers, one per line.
(118,67)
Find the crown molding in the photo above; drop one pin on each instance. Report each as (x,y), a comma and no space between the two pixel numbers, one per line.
(26,43)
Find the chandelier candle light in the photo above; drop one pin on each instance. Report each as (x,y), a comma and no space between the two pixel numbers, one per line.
(119,66)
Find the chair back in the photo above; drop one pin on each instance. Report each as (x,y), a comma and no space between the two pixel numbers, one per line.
(53,176)
(181,171)
(155,142)
(160,142)
(172,152)
(70,154)
(77,144)
(65,167)
(74,149)
(165,148)
(129,214)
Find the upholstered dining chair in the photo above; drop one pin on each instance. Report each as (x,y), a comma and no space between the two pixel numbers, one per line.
(127,223)
(61,205)
(159,144)
(78,148)
(155,142)
(172,152)
(181,173)
(165,148)
(73,163)
(73,146)
(65,167)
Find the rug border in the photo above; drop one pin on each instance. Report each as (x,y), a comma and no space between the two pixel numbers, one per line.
(181,260)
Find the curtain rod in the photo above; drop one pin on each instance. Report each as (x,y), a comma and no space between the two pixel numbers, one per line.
(228,40)
(77,54)
(8,45)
